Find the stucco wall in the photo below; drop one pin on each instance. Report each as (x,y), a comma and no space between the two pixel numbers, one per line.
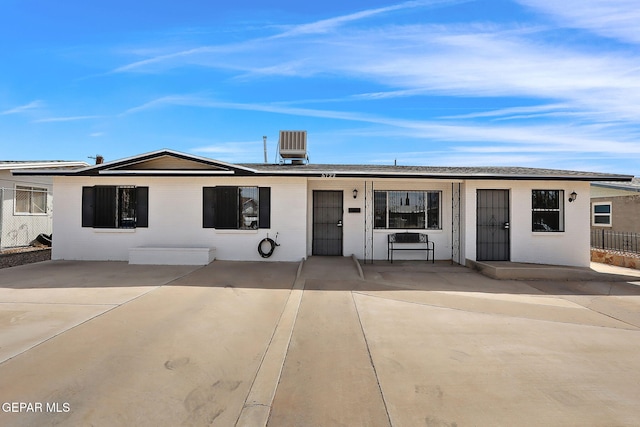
(441,237)
(353,223)
(18,229)
(354,227)
(625,213)
(570,247)
(175,219)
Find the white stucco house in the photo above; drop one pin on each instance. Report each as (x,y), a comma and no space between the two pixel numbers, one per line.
(26,202)
(157,206)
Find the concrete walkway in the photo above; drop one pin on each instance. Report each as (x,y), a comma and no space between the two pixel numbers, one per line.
(328,377)
(315,344)
(527,271)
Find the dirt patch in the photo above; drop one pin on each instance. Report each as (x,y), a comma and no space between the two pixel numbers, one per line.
(18,256)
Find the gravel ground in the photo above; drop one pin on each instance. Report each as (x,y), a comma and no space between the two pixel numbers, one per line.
(19,256)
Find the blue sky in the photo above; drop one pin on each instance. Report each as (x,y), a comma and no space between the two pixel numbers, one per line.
(538,83)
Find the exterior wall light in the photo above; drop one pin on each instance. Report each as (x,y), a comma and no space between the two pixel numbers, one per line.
(355,193)
(573,196)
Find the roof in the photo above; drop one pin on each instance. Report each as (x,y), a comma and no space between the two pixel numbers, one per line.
(633,185)
(39,164)
(168,162)
(448,172)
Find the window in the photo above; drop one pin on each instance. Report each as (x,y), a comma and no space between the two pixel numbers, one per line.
(601,214)
(236,208)
(115,206)
(547,210)
(407,209)
(30,200)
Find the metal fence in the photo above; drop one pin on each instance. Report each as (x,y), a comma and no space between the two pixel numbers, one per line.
(25,212)
(615,240)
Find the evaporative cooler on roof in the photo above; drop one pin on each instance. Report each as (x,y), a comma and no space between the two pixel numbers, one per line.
(293,146)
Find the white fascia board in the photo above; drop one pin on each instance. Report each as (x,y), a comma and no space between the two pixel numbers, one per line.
(44,165)
(165,172)
(144,157)
(141,158)
(339,174)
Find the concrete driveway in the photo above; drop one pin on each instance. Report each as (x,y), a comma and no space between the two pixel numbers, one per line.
(84,343)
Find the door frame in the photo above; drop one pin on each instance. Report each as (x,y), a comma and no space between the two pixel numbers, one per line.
(313,222)
(505,226)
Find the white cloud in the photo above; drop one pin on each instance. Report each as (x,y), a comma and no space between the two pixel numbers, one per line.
(232,151)
(616,19)
(418,60)
(201,55)
(509,112)
(472,63)
(66,119)
(547,137)
(203,102)
(226,148)
(23,108)
(143,65)
(331,24)
(589,97)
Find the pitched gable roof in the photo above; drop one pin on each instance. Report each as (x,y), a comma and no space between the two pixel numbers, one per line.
(174,163)
(161,162)
(434,172)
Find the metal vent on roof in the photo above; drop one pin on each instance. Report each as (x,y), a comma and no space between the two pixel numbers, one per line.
(293,146)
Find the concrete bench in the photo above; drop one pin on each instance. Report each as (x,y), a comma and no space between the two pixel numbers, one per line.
(422,239)
(171,255)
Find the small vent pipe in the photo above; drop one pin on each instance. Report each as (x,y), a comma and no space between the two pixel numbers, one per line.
(264,141)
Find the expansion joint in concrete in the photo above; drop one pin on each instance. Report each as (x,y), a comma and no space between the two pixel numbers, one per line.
(373,366)
(257,405)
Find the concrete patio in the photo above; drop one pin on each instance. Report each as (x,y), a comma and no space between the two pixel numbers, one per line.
(324,342)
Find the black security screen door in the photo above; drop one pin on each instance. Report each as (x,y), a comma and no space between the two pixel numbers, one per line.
(492,230)
(327,223)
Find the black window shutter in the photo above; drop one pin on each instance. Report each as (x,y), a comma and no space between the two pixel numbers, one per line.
(264,209)
(226,208)
(208,207)
(142,207)
(88,201)
(105,202)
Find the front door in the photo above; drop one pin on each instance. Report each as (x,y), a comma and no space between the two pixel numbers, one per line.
(492,230)
(327,223)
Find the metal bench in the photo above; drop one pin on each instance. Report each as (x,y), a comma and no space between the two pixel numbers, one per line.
(404,238)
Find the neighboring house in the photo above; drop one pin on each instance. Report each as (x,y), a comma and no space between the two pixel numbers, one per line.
(615,206)
(26,202)
(167,199)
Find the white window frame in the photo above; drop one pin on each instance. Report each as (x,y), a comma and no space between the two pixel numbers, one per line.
(30,190)
(426,208)
(559,210)
(594,214)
